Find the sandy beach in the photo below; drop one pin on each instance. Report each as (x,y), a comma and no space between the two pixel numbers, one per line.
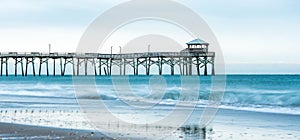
(227,125)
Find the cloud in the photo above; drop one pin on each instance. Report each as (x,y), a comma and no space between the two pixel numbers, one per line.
(14,6)
(51,12)
(44,5)
(246,9)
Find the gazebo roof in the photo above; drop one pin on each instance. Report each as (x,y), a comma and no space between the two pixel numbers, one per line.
(197,42)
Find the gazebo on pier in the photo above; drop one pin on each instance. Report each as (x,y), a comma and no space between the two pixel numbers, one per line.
(197,46)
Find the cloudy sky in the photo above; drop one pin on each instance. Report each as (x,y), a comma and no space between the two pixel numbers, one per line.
(256,36)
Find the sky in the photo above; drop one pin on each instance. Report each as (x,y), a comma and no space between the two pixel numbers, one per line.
(256,36)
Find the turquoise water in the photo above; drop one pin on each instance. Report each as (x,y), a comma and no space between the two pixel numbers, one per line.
(267,93)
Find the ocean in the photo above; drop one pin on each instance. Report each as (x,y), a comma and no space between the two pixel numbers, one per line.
(56,101)
(254,92)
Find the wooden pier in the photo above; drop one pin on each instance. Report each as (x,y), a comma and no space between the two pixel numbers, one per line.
(195,56)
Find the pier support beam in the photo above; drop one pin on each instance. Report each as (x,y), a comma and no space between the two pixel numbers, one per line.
(160,59)
(16,67)
(67,60)
(5,61)
(47,67)
(137,67)
(213,67)
(42,61)
(6,66)
(190,63)
(198,66)
(106,66)
(61,67)
(73,67)
(19,61)
(95,67)
(148,65)
(120,66)
(78,64)
(110,66)
(180,66)
(172,65)
(186,66)
(100,66)
(54,67)
(85,66)
(124,67)
(1,66)
(30,60)
(205,66)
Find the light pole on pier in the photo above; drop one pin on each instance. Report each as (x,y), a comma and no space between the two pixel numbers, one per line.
(121,61)
(111,48)
(49,48)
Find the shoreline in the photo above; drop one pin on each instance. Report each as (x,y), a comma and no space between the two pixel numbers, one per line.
(21,131)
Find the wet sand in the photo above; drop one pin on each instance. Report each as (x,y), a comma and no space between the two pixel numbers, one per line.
(18,131)
(248,125)
(227,125)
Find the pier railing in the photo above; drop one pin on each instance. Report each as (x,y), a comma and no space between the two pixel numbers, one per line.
(107,56)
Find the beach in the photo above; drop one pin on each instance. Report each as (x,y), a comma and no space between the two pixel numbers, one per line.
(249,125)
(227,125)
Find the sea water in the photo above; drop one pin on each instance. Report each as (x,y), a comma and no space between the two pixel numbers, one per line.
(242,91)
(52,101)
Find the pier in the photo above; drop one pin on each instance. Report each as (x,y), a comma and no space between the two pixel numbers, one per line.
(195,56)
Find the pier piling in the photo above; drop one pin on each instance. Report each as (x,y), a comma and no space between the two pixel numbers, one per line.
(185,62)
